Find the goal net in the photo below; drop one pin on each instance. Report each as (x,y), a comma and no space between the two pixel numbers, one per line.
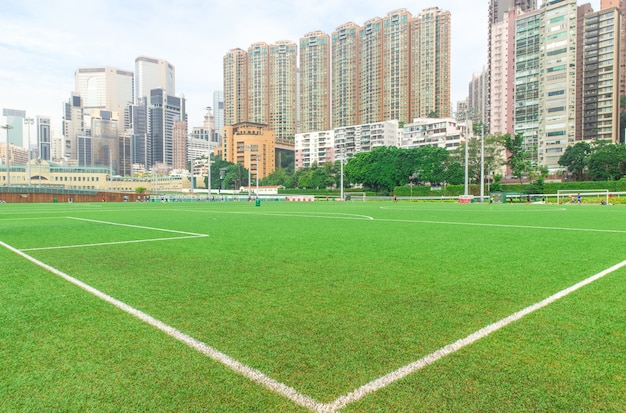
(583,196)
(355,196)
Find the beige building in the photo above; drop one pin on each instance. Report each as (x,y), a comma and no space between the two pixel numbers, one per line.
(396,86)
(252,145)
(51,175)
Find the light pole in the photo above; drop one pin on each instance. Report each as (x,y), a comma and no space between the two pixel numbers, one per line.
(208,183)
(29,122)
(7,127)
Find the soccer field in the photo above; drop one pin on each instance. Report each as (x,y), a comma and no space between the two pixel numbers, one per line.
(322,306)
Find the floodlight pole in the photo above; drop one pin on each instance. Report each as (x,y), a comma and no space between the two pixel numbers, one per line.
(29,122)
(482,163)
(208,156)
(467,133)
(7,127)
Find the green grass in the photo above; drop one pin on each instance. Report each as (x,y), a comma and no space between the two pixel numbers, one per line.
(316,296)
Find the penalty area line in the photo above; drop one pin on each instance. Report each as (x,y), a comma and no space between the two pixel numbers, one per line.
(402,372)
(203,348)
(135,226)
(61,247)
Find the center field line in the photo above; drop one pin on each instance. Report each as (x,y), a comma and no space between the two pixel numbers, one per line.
(136,226)
(246,371)
(112,243)
(402,372)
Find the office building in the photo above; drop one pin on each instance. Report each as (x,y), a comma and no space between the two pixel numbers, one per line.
(151,73)
(251,145)
(163,111)
(218,112)
(15,120)
(44,138)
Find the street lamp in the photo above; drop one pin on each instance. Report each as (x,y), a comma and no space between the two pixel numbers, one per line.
(7,127)
(29,122)
(208,157)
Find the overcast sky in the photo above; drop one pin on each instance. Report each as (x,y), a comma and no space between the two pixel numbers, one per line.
(42,43)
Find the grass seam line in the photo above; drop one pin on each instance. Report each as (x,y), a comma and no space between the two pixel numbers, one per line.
(203,348)
(402,372)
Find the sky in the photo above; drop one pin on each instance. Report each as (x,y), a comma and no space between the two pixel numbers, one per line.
(42,43)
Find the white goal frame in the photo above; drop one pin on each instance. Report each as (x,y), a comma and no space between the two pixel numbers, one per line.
(356,196)
(572,194)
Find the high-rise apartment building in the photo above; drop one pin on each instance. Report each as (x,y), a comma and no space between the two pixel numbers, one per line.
(600,76)
(151,73)
(370,71)
(397,65)
(621,5)
(235,87)
(345,75)
(392,68)
(283,87)
(259,83)
(430,62)
(499,83)
(314,82)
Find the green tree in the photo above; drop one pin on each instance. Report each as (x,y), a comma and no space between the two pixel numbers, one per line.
(519,159)
(607,162)
(575,159)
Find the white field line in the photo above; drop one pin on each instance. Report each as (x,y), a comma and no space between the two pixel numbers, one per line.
(136,226)
(402,372)
(246,371)
(113,243)
(481,224)
(326,215)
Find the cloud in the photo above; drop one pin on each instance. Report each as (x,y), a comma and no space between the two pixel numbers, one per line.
(43,43)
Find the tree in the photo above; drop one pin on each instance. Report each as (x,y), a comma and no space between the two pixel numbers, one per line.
(519,159)
(575,159)
(607,162)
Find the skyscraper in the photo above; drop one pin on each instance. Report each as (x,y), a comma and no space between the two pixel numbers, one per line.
(259,83)
(104,88)
(163,111)
(314,82)
(218,112)
(151,73)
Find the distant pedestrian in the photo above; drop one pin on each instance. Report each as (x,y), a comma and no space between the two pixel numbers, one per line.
(579,198)
(395,198)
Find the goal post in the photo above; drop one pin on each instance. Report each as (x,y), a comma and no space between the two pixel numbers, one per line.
(575,196)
